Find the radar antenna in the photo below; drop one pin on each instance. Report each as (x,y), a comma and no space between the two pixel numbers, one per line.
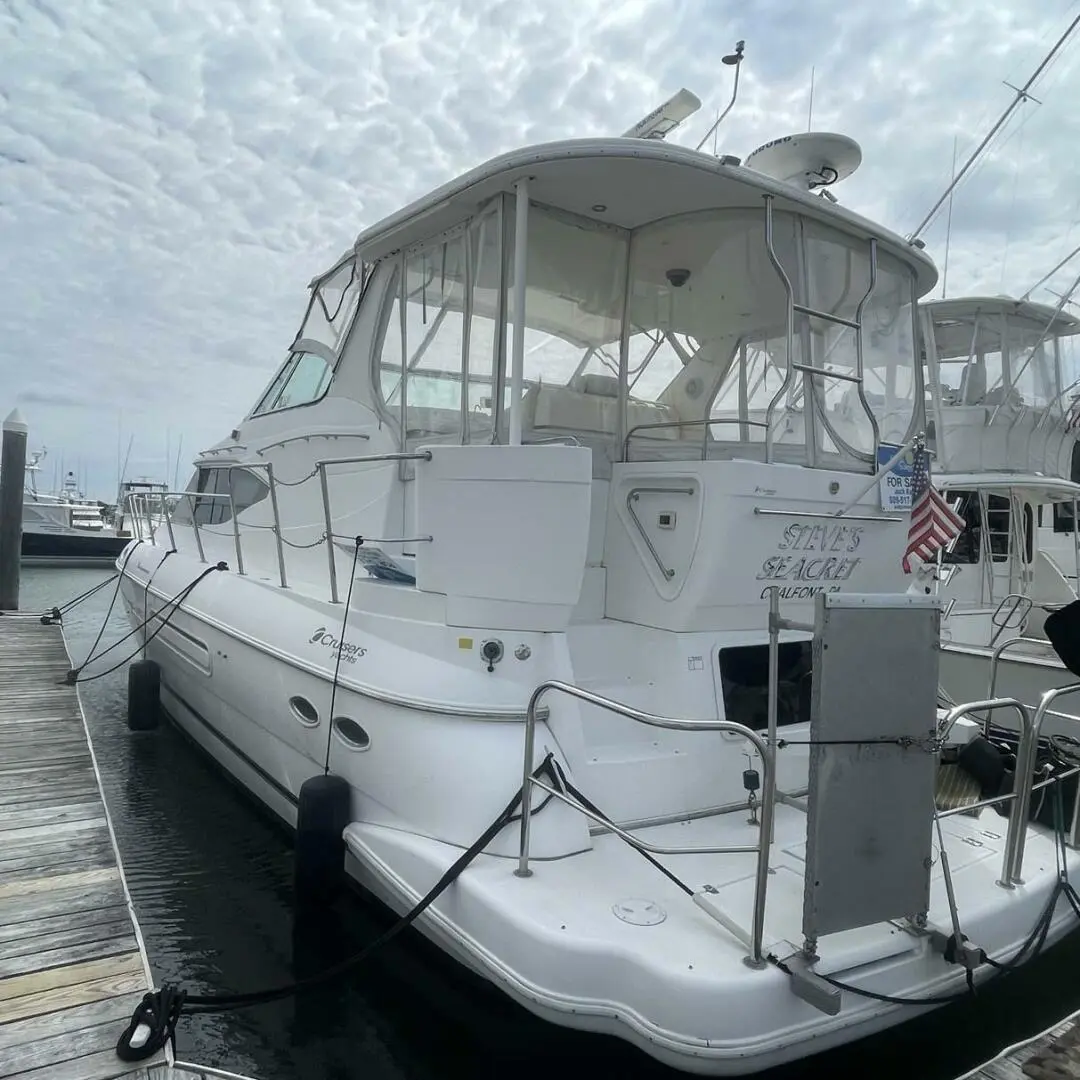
(664,119)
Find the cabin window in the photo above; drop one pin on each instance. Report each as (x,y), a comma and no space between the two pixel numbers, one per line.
(302,380)
(966,549)
(1063,517)
(248,488)
(334,301)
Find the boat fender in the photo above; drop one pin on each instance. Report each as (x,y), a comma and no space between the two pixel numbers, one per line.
(323,811)
(144,695)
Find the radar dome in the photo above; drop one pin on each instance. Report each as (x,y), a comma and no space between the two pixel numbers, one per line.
(812,160)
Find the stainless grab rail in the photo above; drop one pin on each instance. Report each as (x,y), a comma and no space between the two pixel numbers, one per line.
(995,658)
(268,466)
(661,425)
(1020,797)
(328,518)
(1027,777)
(810,370)
(528,782)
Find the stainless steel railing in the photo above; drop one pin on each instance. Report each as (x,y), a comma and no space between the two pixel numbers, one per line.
(995,661)
(324,484)
(1020,796)
(679,424)
(139,506)
(810,371)
(761,848)
(1026,778)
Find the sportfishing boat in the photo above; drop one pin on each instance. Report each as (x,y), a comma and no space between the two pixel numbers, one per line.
(64,528)
(1001,435)
(565,501)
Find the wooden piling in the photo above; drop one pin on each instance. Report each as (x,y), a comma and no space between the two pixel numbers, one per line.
(12,483)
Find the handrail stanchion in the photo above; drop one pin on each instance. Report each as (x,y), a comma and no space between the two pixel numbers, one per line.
(526,782)
(268,466)
(236,528)
(324,484)
(192,506)
(1014,837)
(168,522)
(761,884)
(277,525)
(1027,778)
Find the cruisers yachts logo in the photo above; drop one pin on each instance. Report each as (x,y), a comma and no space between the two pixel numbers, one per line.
(349,651)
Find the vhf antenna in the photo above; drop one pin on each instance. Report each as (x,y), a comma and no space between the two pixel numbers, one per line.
(732,60)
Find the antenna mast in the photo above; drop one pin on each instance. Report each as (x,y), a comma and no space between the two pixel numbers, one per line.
(1021,95)
(732,60)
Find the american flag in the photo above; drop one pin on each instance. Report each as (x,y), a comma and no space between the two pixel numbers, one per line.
(933,522)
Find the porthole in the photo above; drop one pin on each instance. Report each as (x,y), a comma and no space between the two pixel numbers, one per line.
(304,711)
(351,733)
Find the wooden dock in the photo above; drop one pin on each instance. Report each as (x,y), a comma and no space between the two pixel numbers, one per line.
(72,962)
(1053,1054)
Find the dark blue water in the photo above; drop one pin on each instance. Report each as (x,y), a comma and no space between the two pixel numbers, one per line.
(211,880)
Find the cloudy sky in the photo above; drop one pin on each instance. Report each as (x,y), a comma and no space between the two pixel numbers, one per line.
(173,172)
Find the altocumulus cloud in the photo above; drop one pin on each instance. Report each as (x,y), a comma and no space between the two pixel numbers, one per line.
(171,175)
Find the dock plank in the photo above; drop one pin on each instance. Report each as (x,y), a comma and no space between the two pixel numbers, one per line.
(72,968)
(1053,1054)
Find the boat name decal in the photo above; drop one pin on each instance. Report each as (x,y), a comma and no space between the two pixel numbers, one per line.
(825,538)
(812,553)
(349,651)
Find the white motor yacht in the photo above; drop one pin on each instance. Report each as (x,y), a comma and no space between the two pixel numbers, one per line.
(510,518)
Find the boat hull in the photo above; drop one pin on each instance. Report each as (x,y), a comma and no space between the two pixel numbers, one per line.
(555,942)
(53,549)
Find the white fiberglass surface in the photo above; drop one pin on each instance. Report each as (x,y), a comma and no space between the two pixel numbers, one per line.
(669,971)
